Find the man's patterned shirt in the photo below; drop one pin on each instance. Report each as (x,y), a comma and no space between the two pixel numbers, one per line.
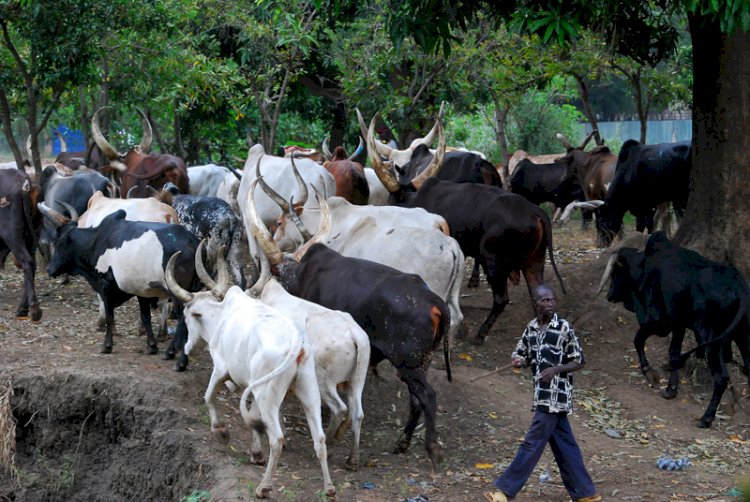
(545,346)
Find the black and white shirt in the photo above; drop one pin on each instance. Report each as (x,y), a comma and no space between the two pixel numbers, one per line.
(546,346)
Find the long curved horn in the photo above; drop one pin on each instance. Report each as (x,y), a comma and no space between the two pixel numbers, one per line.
(587,139)
(607,272)
(220,287)
(382,149)
(437,160)
(28,149)
(71,210)
(148,134)
(99,139)
(181,294)
(324,148)
(595,202)
(386,177)
(430,138)
(63,144)
(565,141)
(263,277)
(278,199)
(53,216)
(323,230)
(298,222)
(302,185)
(259,230)
(358,150)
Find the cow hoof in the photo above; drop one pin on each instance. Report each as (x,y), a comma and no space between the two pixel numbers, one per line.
(331,494)
(221,433)
(477,340)
(151,350)
(106,350)
(651,377)
(704,423)
(167,356)
(36,313)
(22,318)
(669,393)
(257,459)
(178,366)
(401,446)
(262,492)
(473,283)
(436,455)
(351,464)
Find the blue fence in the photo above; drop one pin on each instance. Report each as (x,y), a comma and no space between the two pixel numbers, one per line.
(658,131)
(73,140)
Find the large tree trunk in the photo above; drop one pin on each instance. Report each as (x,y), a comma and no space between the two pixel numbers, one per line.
(588,110)
(716,221)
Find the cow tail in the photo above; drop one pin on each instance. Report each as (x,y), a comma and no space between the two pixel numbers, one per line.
(741,312)
(295,351)
(440,319)
(548,232)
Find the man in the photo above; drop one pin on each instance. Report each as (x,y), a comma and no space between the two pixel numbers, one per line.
(550,347)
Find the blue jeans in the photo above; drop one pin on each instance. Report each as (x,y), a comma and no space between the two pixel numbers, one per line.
(552,428)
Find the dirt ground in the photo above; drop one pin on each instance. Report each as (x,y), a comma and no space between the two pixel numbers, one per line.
(126,427)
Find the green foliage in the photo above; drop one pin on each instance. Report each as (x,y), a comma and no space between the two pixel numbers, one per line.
(536,120)
(731,14)
(197,496)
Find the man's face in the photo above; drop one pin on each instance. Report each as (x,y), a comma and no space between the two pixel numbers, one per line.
(545,304)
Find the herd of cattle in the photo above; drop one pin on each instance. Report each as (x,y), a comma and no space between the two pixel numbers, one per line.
(325,268)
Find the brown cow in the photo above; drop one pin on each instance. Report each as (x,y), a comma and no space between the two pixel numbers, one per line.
(138,170)
(351,182)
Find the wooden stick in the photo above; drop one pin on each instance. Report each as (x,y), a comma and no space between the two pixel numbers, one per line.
(498,370)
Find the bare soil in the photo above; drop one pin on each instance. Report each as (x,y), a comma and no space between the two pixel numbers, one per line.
(125,426)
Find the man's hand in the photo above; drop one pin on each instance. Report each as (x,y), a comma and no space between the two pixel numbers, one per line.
(518,361)
(548,374)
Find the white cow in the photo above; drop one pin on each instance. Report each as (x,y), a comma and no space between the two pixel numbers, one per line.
(259,348)
(278,173)
(215,181)
(342,356)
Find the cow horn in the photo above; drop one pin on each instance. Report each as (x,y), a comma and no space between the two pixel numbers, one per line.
(382,149)
(71,210)
(278,199)
(437,160)
(106,148)
(298,222)
(301,183)
(389,181)
(147,138)
(218,289)
(587,139)
(324,148)
(259,230)
(181,294)
(63,144)
(607,272)
(565,141)
(358,150)
(595,202)
(430,138)
(53,216)
(323,230)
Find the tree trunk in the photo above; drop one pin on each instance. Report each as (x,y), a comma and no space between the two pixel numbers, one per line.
(8,129)
(716,222)
(501,118)
(583,93)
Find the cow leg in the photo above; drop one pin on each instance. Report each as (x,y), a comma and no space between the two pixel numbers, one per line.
(165,308)
(109,319)
(178,345)
(145,307)
(333,402)
(264,415)
(356,414)
(715,359)
(675,347)
(218,376)
(306,390)
(422,398)
(474,279)
(640,348)
(586,217)
(500,299)
(29,306)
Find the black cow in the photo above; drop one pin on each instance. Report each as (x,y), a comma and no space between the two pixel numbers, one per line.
(121,259)
(458,167)
(645,176)
(75,191)
(671,289)
(18,234)
(550,182)
(404,319)
(505,233)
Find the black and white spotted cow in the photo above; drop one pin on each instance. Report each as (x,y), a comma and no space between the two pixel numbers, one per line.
(121,259)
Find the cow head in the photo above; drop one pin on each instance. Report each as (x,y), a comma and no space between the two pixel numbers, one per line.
(625,269)
(340,153)
(121,161)
(63,239)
